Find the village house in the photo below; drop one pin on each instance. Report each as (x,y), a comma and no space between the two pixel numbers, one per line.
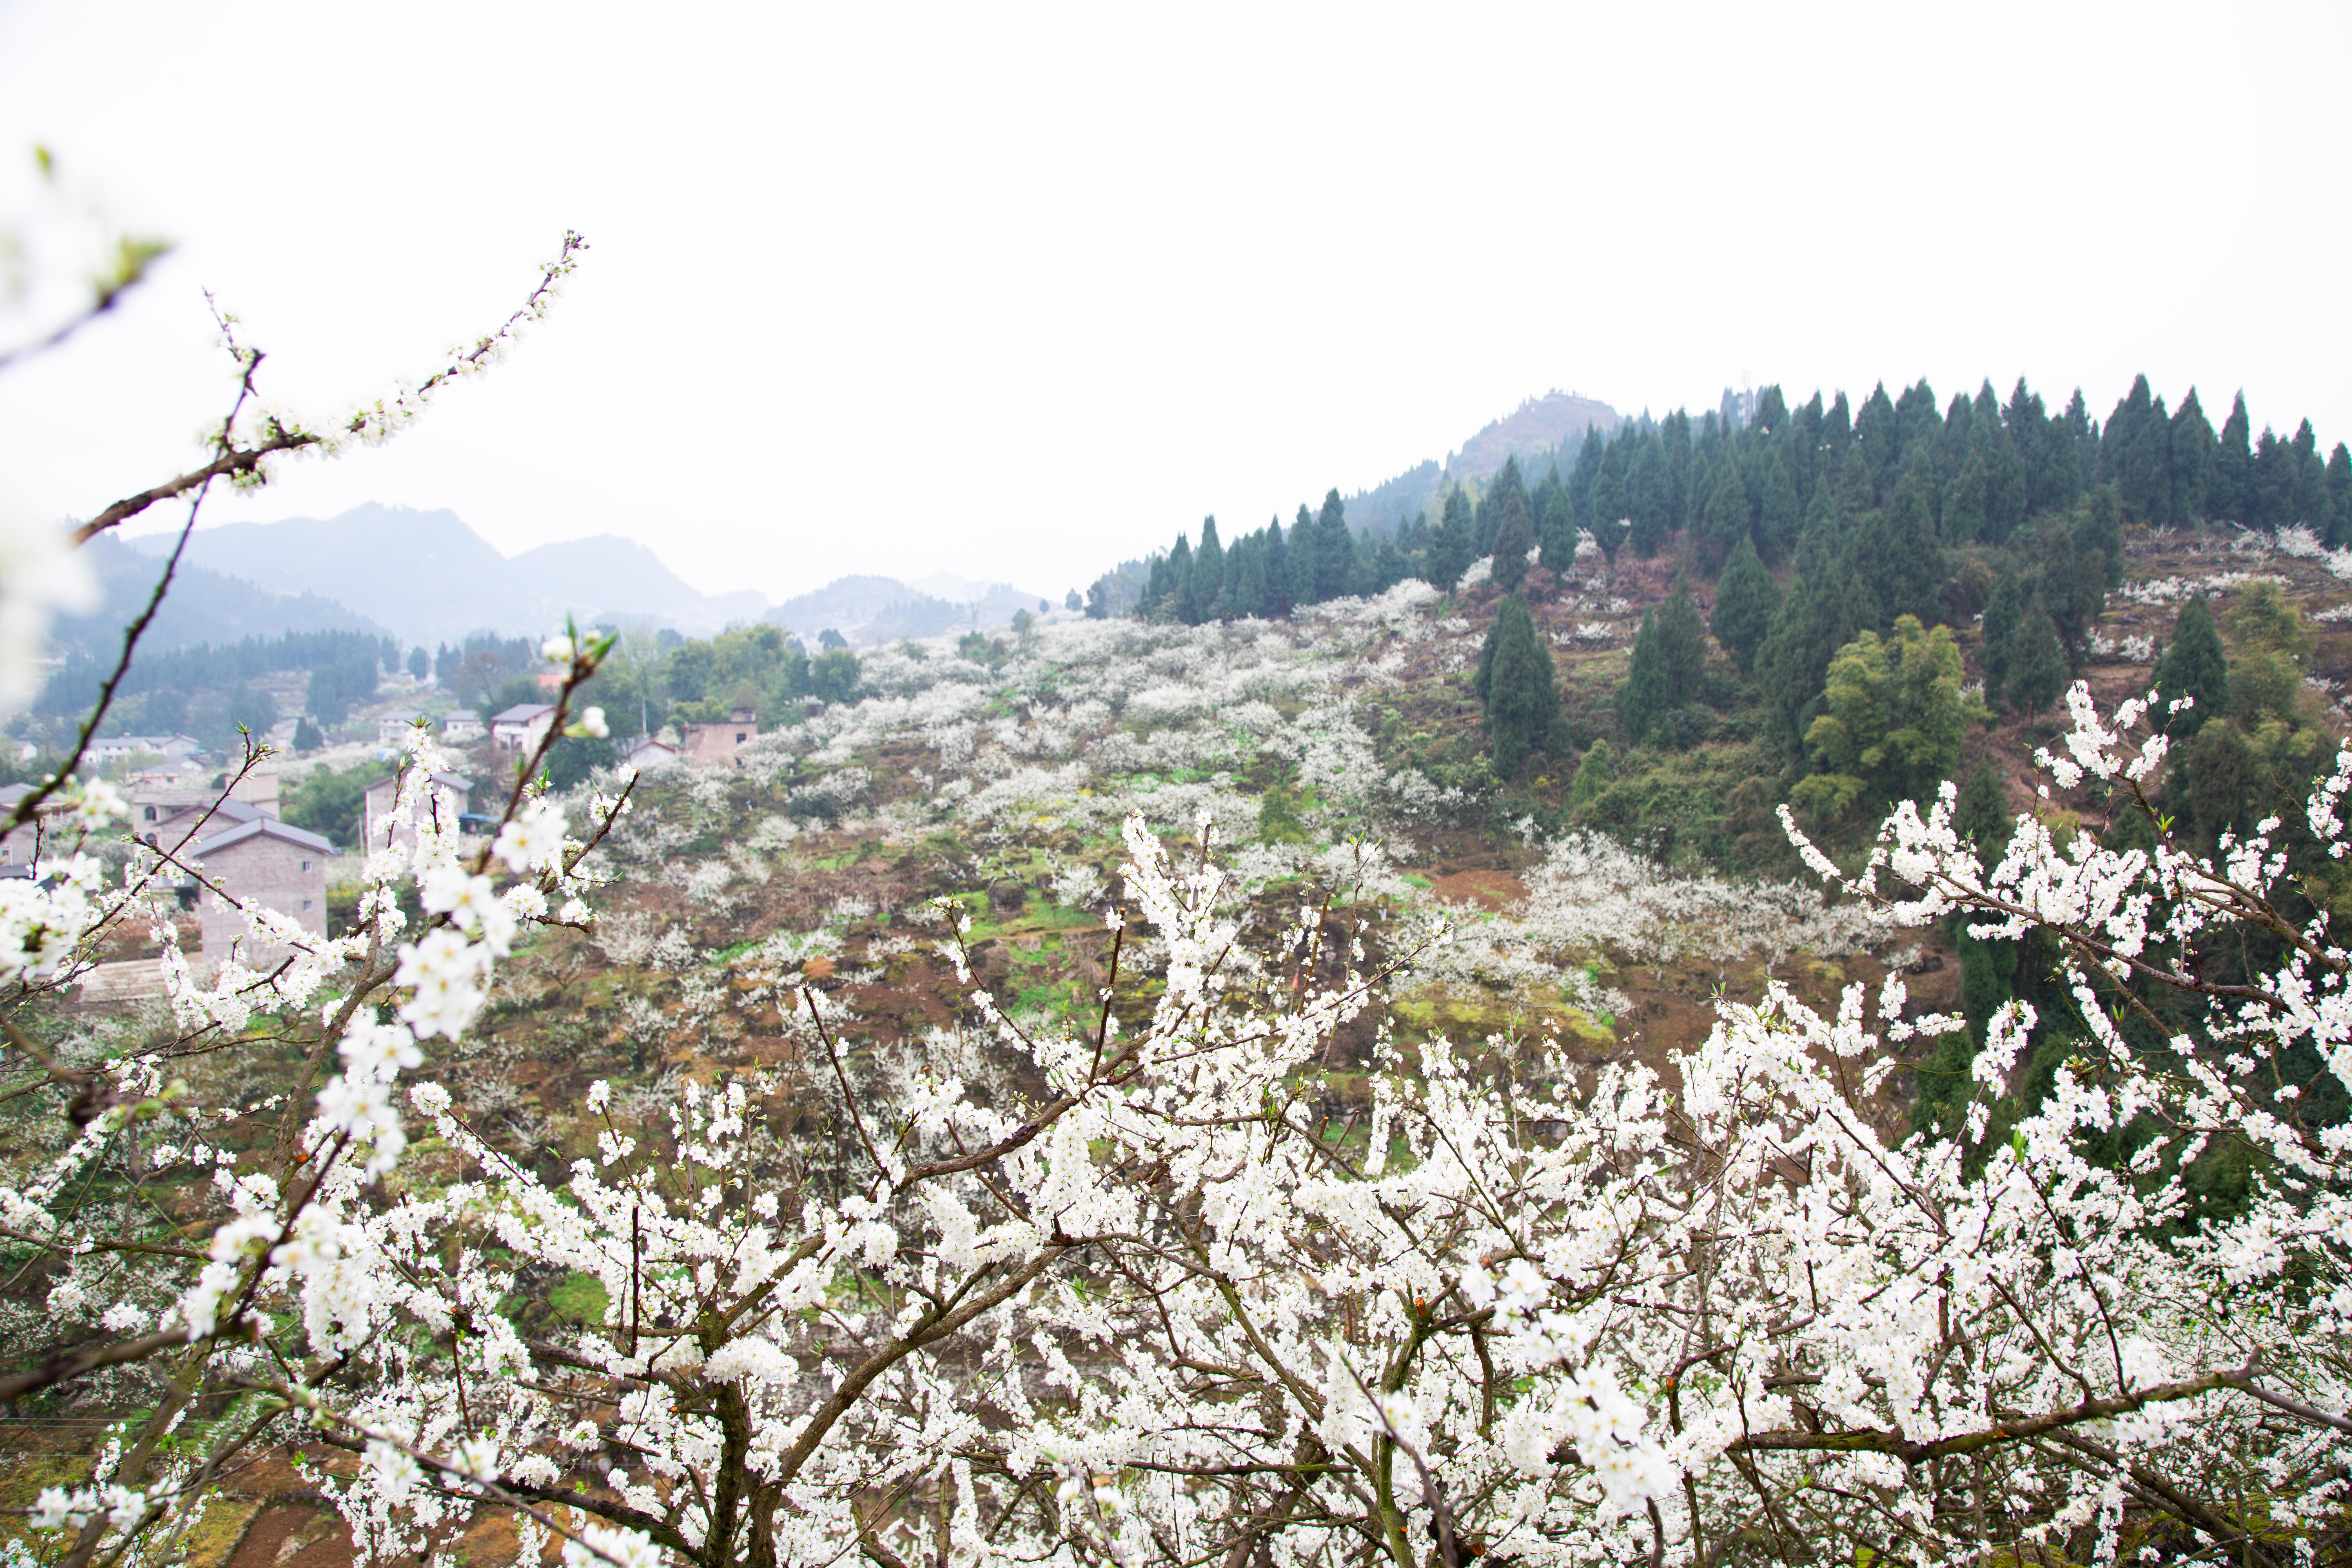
(17,846)
(461,727)
(449,800)
(649,753)
(522,727)
(720,742)
(115,748)
(392,727)
(205,812)
(267,862)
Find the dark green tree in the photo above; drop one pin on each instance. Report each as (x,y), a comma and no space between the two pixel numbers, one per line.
(1511,543)
(1507,488)
(1779,511)
(1301,572)
(2229,490)
(1515,683)
(1210,601)
(2190,453)
(2001,615)
(1982,816)
(1449,551)
(420,663)
(1335,550)
(1745,602)
(1648,692)
(306,735)
(2194,667)
(1609,534)
(1681,636)
(1559,532)
(1595,773)
(2037,663)
(1728,516)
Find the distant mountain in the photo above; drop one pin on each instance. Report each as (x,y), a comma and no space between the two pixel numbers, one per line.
(432,579)
(869,611)
(1537,429)
(203,606)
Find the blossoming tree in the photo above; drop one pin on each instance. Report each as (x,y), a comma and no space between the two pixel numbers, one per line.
(1135,1298)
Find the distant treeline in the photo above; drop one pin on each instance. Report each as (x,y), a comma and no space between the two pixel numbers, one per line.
(1973,472)
(74,688)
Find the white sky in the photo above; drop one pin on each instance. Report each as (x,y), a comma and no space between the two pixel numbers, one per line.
(1013,292)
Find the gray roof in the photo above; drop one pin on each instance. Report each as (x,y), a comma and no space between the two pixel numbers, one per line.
(264,827)
(522,712)
(457,781)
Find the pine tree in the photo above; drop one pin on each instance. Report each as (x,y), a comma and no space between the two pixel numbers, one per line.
(1300,571)
(2037,663)
(1648,692)
(1682,637)
(1609,487)
(1210,600)
(1511,543)
(1609,534)
(1745,602)
(1779,512)
(1914,561)
(2001,615)
(1517,685)
(1177,601)
(2230,486)
(2134,454)
(2189,448)
(1449,551)
(1277,571)
(1507,487)
(1334,552)
(306,737)
(1728,516)
(2194,667)
(1877,438)
(1982,816)
(2339,496)
(1559,532)
(1964,502)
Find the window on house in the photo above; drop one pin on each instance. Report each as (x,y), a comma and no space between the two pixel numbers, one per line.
(306,866)
(306,904)
(740,737)
(150,814)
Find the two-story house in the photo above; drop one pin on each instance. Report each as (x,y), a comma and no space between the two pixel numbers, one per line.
(720,742)
(461,726)
(115,748)
(392,728)
(522,727)
(267,862)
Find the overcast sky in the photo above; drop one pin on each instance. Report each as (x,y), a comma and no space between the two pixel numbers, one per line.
(1013,292)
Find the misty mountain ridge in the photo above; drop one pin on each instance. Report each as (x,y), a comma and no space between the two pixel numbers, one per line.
(869,611)
(1539,428)
(431,579)
(204,606)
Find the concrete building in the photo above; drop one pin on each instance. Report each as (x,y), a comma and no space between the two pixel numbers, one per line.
(264,860)
(392,728)
(17,845)
(172,823)
(720,742)
(451,799)
(522,727)
(462,727)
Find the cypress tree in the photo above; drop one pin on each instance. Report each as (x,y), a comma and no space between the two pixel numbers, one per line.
(2230,486)
(1300,572)
(1745,602)
(1507,487)
(1852,487)
(1964,502)
(1878,438)
(1648,497)
(1511,543)
(1559,532)
(2194,665)
(1608,489)
(1517,687)
(2188,458)
(2310,507)
(1648,692)
(2134,454)
(1779,512)
(1210,599)
(1277,571)
(1982,817)
(2037,663)
(1335,550)
(1449,551)
(2000,617)
(1682,637)
(1177,603)
(1609,534)
(1587,471)
(1728,516)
